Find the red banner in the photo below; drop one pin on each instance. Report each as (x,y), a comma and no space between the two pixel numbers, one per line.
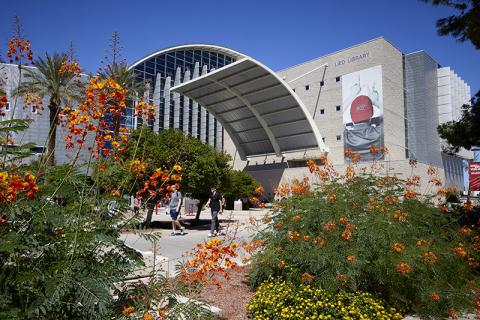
(474,174)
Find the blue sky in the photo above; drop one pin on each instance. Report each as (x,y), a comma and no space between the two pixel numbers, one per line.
(278,33)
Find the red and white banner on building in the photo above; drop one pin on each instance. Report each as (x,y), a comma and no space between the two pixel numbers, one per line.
(474,174)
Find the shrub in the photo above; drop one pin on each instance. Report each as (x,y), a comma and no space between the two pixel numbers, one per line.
(280,299)
(373,234)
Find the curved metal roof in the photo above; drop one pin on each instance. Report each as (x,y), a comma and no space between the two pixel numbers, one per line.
(258,109)
(196,46)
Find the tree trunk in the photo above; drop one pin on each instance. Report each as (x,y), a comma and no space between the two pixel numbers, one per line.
(148,218)
(201,203)
(52,134)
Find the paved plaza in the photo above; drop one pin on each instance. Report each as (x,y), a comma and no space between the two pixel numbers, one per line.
(170,250)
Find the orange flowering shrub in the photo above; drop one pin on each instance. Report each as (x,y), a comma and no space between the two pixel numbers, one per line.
(364,232)
(210,261)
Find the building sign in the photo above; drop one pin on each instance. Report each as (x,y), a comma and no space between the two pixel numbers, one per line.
(474,174)
(353,58)
(362,95)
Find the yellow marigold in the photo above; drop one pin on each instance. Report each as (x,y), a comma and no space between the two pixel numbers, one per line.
(281,264)
(177,167)
(435,297)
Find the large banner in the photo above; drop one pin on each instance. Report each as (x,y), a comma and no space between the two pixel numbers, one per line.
(362,94)
(474,173)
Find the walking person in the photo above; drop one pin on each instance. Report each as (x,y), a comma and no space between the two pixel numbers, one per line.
(137,203)
(215,205)
(174,207)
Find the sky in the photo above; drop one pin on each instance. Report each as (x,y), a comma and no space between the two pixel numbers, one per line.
(278,33)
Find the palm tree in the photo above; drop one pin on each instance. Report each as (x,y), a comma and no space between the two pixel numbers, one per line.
(61,88)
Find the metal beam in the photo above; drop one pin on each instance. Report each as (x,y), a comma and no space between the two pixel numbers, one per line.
(234,86)
(222,79)
(264,124)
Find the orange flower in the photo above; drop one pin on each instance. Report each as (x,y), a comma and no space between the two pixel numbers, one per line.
(432,170)
(267,219)
(348,153)
(403,268)
(296,218)
(468,206)
(281,264)
(355,157)
(278,225)
(460,250)
(306,238)
(410,194)
(423,244)
(259,190)
(127,310)
(398,247)
(319,242)
(294,235)
(392,200)
(307,277)
(347,234)
(329,226)
(148,316)
(343,220)
(332,197)
(452,313)
(374,149)
(466,231)
(435,297)
(429,258)
(351,259)
(343,278)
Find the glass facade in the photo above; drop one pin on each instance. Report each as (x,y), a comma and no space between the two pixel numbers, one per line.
(169,69)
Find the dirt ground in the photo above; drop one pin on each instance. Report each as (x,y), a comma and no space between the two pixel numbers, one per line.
(232,297)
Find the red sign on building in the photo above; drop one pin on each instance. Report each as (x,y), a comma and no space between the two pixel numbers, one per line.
(474,174)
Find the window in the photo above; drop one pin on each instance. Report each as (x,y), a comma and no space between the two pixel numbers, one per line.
(323,139)
(293,89)
(322,83)
(337,79)
(34,109)
(339,138)
(7,106)
(307,87)
(322,111)
(337,108)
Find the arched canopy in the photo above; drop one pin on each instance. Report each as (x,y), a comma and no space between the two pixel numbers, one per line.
(256,107)
(259,111)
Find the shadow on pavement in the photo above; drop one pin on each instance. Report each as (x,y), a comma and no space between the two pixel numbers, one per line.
(190,224)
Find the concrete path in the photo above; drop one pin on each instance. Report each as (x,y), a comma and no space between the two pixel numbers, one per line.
(170,250)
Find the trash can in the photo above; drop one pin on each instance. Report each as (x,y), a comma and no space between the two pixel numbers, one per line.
(238,205)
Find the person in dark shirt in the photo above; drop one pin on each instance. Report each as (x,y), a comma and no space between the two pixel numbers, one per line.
(215,203)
